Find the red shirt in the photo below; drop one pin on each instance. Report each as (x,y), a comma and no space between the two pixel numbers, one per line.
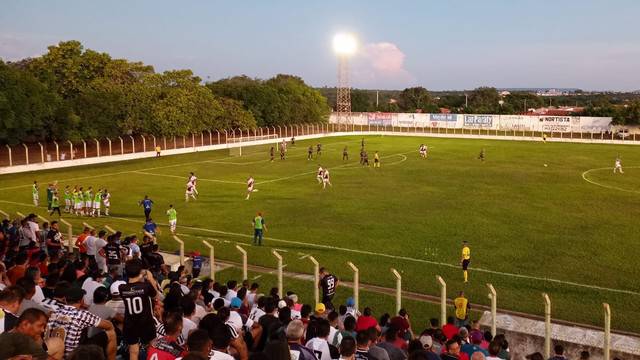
(365,322)
(450,330)
(16,273)
(80,243)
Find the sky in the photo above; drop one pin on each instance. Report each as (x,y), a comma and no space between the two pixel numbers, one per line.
(438,44)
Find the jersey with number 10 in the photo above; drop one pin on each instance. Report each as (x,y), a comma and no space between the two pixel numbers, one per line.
(138,303)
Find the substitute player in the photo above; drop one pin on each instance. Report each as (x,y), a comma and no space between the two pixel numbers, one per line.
(326,179)
(88,201)
(106,201)
(466,258)
(618,166)
(97,200)
(319,175)
(35,193)
(173,218)
(376,160)
(250,189)
(78,197)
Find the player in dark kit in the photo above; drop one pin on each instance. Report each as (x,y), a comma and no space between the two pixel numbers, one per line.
(282,150)
(310,153)
(365,159)
(138,296)
(328,284)
(345,154)
(362,156)
(272,153)
(318,150)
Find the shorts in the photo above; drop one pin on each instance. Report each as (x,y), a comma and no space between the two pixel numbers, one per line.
(96,205)
(172,222)
(67,202)
(36,197)
(106,203)
(250,189)
(88,204)
(79,205)
(135,333)
(465,264)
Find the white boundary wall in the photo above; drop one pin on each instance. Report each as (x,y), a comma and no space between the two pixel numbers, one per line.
(150,154)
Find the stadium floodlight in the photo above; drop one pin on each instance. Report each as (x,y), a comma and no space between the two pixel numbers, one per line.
(345,46)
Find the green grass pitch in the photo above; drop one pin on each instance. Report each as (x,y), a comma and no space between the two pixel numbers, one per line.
(532,228)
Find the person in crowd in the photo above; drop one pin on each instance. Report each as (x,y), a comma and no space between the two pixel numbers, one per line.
(348,348)
(200,343)
(295,336)
(367,320)
(474,346)
(452,350)
(28,287)
(10,299)
(99,306)
(450,329)
(319,344)
(494,350)
(558,353)
(167,346)
(462,307)
(389,343)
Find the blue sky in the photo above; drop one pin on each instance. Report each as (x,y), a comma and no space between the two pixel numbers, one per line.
(445,44)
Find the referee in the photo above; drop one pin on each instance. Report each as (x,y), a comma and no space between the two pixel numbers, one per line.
(466,258)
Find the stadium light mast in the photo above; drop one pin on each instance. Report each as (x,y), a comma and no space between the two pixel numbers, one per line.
(344,45)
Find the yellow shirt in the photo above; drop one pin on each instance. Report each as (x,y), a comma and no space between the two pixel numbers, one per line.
(461,307)
(376,157)
(466,253)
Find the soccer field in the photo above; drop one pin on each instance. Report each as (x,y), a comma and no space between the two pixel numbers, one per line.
(569,229)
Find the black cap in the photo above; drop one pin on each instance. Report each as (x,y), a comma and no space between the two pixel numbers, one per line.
(74,295)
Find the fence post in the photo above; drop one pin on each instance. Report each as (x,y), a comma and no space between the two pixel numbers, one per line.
(547,326)
(494,308)
(154,142)
(443,299)
(279,258)
(202,137)
(6,215)
(184,142)
(97,147)
(26,153)
(133,144)
(274,129)
(279,131)
(356,284)
(69,235)
(144,144)
(84,147)
(10,158)
(243,252)
(181,248)
(210,137)
(606,347)
(112,230)
(110,152)
(193,140)
(175,145)
(121,145)
(316,279)
(87,225)
(71,155)
(41,152)
(398,289)
(212,260)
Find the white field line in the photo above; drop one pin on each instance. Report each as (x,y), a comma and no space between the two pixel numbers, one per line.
(585,178)
(155,168)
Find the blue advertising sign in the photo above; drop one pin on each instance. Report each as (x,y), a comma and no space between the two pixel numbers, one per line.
(443,117)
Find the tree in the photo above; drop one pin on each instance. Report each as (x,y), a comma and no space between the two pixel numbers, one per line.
(416,99)
(484,100)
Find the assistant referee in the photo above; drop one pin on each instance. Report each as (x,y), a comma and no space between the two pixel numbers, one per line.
(466,258)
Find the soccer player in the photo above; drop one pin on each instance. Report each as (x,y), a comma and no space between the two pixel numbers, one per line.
(376,160)
(481,156)
(138,296)
(35,193)
(282,151)
(544,137)
(55,204)
(325,179)
(618,166)
(423,151)
(158,149)
(189,192)
(362,156)
(293,141)
(365,159)
(146,203)
(318,150)
(466,258)
(97,200)
(258,227)
(67,199)
(310,153)
(173,218)
(106,200)
(88,201)
(50,190)
(362,143)
(328,284)
(345,154)
(250,189)
(193,180)
(320,174)
(272,153)
(78,201)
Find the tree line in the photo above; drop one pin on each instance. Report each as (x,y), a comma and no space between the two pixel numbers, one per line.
(71,93)
(623,108)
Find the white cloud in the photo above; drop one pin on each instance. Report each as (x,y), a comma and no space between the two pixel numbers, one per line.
(381,65)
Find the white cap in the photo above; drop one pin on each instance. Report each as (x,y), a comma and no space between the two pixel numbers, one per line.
(114,287)
(282,304)
(293,298)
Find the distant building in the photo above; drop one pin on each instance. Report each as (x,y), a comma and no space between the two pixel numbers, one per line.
(552,92)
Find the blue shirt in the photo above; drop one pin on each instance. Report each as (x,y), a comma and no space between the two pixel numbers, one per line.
(150,227)
(197,262)
(146,203)
(469,349)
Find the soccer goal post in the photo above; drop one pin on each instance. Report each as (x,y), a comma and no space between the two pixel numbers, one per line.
(235,151)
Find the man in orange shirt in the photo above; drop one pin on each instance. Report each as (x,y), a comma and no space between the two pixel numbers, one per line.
(80,243)
(17,271)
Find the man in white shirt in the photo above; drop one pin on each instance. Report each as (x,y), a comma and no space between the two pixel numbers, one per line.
(252,294)
(188,310)
(232,286)
(116,301)
(319,344)
(99,243)
(90,244)
(90,285)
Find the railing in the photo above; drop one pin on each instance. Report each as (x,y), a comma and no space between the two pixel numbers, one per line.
(41,153)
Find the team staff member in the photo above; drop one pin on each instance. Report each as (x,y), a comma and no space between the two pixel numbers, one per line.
(258,227)
(328,283)
(466,258)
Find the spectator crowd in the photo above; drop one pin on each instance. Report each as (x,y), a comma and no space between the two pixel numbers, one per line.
(116,299)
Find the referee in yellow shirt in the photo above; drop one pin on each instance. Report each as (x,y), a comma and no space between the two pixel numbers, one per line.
(466,258)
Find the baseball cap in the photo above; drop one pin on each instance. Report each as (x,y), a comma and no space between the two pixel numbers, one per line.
(476,336)
(426,341)
(320,309)
(351,302)
(115,287)
(236,302)
(293,298)
(282,304)
(74,295)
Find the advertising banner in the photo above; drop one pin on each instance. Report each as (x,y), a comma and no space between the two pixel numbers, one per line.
(443,117)
(381,119)
(478,121)
(516,122)
(555,123)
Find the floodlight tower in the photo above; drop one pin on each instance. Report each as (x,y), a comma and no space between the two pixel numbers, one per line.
(344,45)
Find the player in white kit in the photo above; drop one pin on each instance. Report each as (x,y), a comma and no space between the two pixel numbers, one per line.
(193,179)
(106,201)
(618,166)
(250,189)
(189,192)
(320,174)
(325,179)
(423,151)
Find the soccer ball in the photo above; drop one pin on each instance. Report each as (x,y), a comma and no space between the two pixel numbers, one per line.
(545,165)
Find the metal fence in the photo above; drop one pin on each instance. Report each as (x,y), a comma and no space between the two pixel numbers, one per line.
(44,152)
